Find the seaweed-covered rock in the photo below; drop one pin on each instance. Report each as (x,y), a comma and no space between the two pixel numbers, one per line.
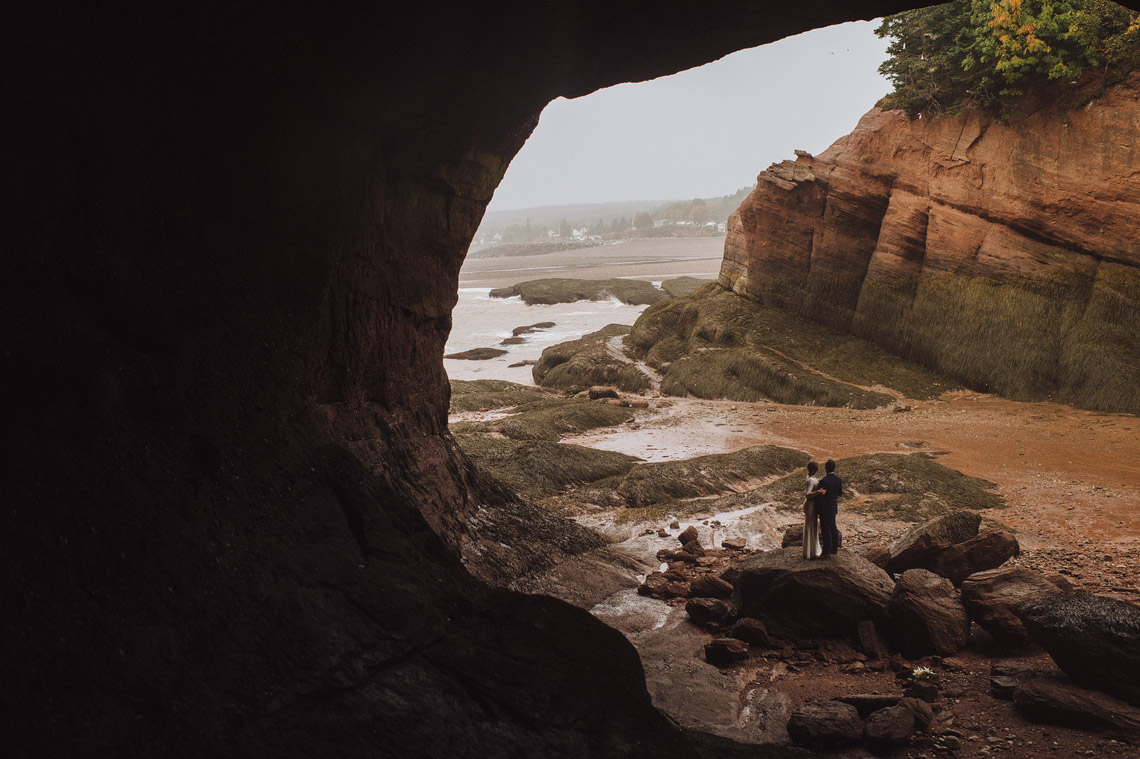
(578,365)
(658,482)
(483,395)
(634,292)
(795,597)
(923,542)
(1095,640)
(926,616)
(538,469)
(549,419)
(477,354)
(991,598)
(826,724)
(680,286)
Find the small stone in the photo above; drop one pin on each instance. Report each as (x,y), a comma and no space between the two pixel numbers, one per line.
(690,534)
(751,631)
(721,652)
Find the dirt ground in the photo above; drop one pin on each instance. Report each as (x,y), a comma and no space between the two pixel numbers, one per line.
(1071,484)
(1070,478)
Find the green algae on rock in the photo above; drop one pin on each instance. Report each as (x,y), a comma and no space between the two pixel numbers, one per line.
(590,360)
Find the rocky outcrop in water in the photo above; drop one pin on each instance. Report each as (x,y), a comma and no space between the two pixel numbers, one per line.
(1005,255)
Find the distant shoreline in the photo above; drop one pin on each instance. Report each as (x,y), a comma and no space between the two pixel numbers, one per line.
(649,259)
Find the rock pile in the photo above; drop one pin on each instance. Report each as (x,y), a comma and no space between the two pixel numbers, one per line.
(950,545)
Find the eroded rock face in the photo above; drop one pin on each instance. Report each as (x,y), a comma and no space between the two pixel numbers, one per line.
(1003,255)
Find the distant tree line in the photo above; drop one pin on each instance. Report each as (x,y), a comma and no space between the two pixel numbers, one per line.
(685,218)
(990,53)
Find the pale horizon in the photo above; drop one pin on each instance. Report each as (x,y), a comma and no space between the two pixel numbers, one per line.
(701,133)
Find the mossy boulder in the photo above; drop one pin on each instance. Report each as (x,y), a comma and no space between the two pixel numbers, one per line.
(481,395)
(589,361)
(713,343)
(549,419)
(681,286)
(539,469)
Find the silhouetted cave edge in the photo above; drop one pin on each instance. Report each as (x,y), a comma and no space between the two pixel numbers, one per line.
(231,248)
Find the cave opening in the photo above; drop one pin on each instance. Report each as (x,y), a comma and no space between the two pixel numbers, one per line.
(238,526)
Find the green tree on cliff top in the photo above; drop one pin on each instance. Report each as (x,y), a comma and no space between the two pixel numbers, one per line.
(987,53)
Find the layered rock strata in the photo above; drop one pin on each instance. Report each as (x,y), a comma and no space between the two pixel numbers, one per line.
(1005,255)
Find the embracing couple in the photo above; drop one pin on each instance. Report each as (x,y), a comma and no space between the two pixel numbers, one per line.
(821,504)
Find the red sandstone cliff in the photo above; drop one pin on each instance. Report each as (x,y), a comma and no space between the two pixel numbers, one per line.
(1006,255)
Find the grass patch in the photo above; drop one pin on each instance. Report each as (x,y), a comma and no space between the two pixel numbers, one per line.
(540,469)
(483,395)
(647,485)
(549,419)
(579,364)
(756,339)
(907,487)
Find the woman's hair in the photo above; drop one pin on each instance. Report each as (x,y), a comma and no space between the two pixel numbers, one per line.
(812,467)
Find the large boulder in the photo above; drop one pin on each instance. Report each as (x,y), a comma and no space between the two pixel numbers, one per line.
(988,550)
(795,597)
(1095,640)
(1059,702)
(826,724)
(921,543)
(991,597)
(926,616)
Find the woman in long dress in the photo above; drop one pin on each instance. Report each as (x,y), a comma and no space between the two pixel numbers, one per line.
(812,549)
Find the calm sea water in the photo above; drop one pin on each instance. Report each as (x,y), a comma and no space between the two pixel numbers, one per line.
(480,321)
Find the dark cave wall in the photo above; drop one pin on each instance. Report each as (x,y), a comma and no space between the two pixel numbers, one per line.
(232,237)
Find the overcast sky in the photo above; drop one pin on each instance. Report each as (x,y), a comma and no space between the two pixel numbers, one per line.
(705,132)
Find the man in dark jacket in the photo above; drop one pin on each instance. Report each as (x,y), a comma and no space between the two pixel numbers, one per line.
(828,531)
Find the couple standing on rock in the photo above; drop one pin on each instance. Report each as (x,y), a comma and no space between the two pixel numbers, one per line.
(821,505)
